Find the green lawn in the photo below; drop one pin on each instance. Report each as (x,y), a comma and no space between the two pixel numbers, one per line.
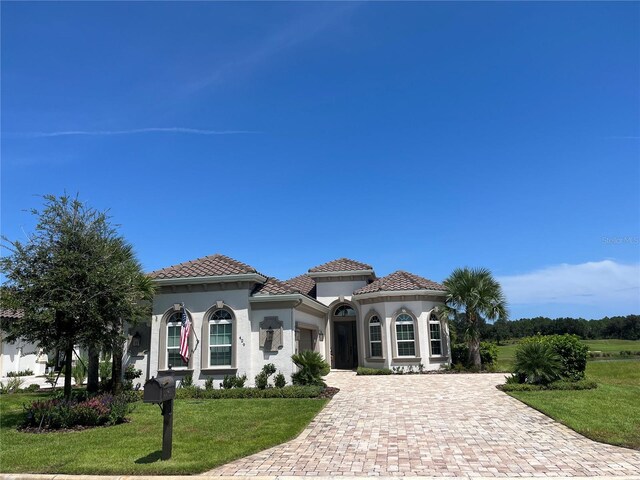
(207,433)
(506,352)
(609,414)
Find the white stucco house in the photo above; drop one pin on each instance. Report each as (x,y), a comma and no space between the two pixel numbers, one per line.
(20,355)
(242,319)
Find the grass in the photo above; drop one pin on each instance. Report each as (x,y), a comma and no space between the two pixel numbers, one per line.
(206,434)
(609,414)
(506,352)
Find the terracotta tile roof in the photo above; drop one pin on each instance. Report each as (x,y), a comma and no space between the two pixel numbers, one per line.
(204,267)
(273,286)
(400,280)
(304,283)
(8,313)
(340,265)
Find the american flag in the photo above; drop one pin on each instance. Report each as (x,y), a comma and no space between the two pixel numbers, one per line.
(184,335)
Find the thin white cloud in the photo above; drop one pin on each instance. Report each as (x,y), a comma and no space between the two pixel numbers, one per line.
(298,31)
(191,131)
(604,283)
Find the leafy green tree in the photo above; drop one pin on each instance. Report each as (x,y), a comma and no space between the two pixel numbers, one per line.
(75,279)
(474,293)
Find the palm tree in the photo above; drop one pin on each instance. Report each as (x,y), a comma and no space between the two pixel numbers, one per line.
(477,295)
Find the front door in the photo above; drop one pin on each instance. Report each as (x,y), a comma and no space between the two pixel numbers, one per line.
(345,347)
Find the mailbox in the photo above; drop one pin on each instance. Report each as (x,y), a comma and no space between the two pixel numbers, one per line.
(158,390)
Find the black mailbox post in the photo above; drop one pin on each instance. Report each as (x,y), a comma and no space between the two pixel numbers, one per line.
(162,390)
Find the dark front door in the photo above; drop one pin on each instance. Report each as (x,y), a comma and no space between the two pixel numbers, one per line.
(345,347)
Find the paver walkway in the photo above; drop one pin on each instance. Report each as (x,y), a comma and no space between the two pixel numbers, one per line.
(434,425)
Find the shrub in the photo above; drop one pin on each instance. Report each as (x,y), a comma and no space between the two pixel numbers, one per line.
(285,392)
(233,381)
(262,379)
(52,378)
(33,388)
(130,374)
(187,381)
(208,384)
(279,380)
(557,385)
(20,373)
(104,371)
(573,354)
(536,363)
(488,353)
(373,371)
(58,413)
(79,372)
(312,368)
(13,385)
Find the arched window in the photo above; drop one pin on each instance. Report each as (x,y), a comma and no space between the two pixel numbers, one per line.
(405,336)
(220,338)
(435,334)
(174,328)
(375,337)
(344,311)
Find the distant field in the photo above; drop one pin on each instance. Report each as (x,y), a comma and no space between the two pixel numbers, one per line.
(506,352)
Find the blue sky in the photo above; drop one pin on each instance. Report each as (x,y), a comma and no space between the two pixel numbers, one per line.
(416,136)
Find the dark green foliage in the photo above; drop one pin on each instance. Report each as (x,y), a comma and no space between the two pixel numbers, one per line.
(262,379)
(21,373)
(536,363)
(59,413)
(130,374)
(208,383)
(473,296)
(573,354)
(557,385)
(187,381)
(488,354)
(373,371)
(74,279)
(279,380)
(32,388)
(233,381)
(623,328)
(285,392)
(312,367)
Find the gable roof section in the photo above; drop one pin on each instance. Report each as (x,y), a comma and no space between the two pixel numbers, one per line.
(304,283)
(400,281)
(341,265)
(273,286)
(213,265)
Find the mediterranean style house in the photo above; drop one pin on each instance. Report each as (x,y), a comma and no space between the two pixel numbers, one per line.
(242,319)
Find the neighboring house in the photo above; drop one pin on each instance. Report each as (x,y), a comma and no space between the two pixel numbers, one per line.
(20,355)
(242,320)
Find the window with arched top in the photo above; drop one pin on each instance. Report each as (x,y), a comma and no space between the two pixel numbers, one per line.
(405,335)
(344,311)
(220,338)
(375,337)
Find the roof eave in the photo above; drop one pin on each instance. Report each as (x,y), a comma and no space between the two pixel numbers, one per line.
(241,277)
(398,293)
(340,273)
(283,297)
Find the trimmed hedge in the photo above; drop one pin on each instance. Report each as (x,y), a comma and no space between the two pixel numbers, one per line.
(559,385)
(373,371)
(285,392)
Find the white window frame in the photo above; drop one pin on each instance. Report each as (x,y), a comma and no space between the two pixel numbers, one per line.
(174,323)
(371,342)
(431,339)
(410,321)
(226,321)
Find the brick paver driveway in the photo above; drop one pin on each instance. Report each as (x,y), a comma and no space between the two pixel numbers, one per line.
(434,425)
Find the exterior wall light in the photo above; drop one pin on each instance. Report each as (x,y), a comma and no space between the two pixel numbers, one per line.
(135,340)
(321,335)
(269,336)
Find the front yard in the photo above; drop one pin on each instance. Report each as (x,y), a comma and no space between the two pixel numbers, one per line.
(609,414)
(207,433)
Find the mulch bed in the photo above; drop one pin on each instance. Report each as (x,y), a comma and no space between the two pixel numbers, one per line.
(328,392)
